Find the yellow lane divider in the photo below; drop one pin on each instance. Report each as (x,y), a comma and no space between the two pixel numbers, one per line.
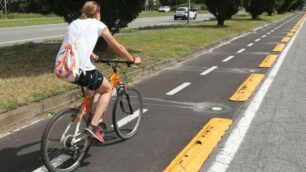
(191,158)
(290,34)
(293,30)
(268,61)
(285,39)
(247,88)
(279,47)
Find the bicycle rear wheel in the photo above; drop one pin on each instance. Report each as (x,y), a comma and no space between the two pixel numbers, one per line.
(126,123)
(58,150)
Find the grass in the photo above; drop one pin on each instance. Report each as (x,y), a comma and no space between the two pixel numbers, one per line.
(23,15)
(26,70)
(30,22)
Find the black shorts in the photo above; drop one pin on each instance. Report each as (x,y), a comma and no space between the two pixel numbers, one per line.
(92,80)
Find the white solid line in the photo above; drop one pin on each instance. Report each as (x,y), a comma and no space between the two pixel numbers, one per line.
(32,39)
(55,162)
(209,70)
(228,59)
(233,142)
(257,40)
(251,44)
(129,118)
(179,88)
(240,51)
(263,36)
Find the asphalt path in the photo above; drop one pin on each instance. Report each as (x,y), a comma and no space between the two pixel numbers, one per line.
(171,120)
(17,35)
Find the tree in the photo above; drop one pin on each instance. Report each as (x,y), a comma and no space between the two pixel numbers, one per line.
(297,5)
(255,7)
(116,14)
(222,9)
(283,6)
(270,7)
(33,6)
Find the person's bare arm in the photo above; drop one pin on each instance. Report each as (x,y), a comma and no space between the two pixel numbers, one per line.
(118,48)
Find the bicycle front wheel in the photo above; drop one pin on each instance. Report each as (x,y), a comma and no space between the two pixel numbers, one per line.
(64,142)
(127,113)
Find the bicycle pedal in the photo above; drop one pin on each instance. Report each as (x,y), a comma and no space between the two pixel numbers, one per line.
(102,127)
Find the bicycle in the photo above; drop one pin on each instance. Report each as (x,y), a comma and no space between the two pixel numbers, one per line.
(64,141)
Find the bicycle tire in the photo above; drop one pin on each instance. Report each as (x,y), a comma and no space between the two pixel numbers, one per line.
(125,124)
(71,155)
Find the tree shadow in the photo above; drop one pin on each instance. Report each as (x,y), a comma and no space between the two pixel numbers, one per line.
(165,27)
(12,160)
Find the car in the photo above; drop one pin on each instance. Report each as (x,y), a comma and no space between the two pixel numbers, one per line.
(164,9)
(182,12)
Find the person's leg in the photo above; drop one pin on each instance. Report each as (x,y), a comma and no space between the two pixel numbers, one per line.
(101,106)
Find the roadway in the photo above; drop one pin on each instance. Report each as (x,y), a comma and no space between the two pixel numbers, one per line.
(171,120)
(16,35)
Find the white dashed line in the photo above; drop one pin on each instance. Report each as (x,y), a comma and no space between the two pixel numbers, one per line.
(228,59)
(209,70)
(240,51)
(178,89)
(250,45)
(263,36)
(257,40)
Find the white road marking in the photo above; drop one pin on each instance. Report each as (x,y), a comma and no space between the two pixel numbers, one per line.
(240,51)
(228,59)
(233,142)
(129,118)
(55,162)
(178,89)
(268,33)
(257,40)
(32,39)
(263,36)
(209,70)
(251,44)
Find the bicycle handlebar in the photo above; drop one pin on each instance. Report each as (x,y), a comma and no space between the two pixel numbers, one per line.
(115,62)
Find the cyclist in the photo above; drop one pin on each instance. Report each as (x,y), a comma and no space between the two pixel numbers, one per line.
(90,28)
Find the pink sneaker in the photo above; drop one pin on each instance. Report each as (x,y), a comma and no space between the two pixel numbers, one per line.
(94,131)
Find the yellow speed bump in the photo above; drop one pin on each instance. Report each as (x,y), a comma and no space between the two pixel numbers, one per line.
(247,88)
(268,61)
(285,39)
(279,47)
(191,158)
(290,34)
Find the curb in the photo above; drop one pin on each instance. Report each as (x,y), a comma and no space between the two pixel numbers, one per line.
(19,118)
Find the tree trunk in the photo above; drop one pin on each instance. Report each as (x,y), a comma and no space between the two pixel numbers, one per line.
(254,16)
(270,13)
(220,21)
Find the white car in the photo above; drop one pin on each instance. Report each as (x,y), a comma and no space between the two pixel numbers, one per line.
(182,12)
(164,9)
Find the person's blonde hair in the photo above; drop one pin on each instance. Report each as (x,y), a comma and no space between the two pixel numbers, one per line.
(90,9)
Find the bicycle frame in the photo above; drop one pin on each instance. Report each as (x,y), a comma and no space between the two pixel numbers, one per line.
(85,107)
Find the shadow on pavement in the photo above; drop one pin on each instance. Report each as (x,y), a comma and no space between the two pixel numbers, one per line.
(14,160)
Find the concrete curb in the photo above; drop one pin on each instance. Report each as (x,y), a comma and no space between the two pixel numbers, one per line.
(26,115)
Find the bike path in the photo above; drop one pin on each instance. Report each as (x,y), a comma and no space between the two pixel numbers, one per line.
(171,120)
